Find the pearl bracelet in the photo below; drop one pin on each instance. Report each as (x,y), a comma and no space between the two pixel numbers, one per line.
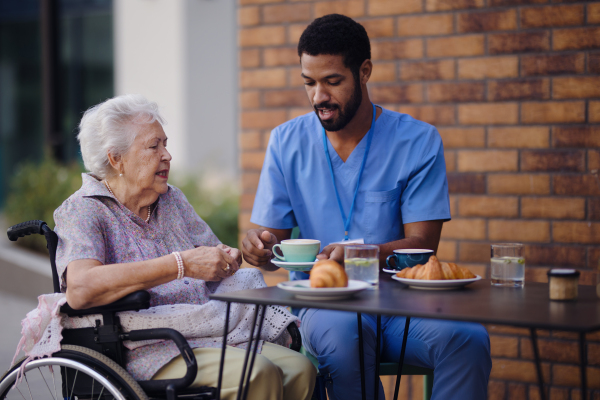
(180,268)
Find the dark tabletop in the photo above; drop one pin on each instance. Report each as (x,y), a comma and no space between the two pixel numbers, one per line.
(478,302)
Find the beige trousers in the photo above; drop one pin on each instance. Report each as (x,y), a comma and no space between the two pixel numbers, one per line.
(278,373)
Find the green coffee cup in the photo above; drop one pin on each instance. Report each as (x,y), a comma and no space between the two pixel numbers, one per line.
(297,250)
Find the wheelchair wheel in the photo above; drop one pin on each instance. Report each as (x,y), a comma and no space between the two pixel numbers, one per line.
(73,373)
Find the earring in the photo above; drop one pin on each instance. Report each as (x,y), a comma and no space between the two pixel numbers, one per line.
(120,174)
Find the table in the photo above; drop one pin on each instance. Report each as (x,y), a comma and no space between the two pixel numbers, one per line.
(527,307)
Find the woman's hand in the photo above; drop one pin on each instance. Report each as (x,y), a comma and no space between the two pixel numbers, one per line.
(211,263)
(235,253)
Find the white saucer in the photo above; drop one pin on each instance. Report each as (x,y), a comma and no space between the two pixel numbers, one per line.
(390,271)
(294,266)
(445,284)
(302,290)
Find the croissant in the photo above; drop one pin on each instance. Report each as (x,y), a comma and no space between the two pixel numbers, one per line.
(436,270)
(328,273)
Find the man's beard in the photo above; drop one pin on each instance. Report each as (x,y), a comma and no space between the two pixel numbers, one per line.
(345,115)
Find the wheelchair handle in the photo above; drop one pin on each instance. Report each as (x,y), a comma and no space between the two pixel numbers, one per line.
(182,345)
(33,227)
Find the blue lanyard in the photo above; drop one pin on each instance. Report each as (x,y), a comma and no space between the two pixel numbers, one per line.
(362,167)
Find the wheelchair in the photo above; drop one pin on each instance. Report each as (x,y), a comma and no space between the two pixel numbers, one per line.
(91,362)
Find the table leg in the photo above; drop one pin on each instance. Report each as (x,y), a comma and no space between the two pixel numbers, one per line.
(583,361)
(538,365)
(401,361)
(222,362)
(241,386)
(376,381)
(361,356)
(260,324)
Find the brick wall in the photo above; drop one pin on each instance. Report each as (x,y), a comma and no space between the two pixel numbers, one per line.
(513,87)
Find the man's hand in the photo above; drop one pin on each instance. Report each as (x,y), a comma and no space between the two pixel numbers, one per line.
(332,252)
(257,246)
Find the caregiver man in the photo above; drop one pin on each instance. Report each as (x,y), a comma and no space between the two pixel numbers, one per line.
(354,171)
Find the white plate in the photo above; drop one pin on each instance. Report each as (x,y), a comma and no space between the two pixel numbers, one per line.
(445,284)
(294,266)
(302,290)
(390,271)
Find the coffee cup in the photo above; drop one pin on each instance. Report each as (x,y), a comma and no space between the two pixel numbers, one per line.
(408,258)
(297,250)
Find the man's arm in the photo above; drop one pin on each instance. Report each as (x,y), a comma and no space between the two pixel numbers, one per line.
(258,244)
(418,235)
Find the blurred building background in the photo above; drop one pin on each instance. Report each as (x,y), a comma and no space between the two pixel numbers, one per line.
(513,87)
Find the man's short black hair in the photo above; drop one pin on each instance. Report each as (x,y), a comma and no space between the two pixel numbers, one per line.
(337,34)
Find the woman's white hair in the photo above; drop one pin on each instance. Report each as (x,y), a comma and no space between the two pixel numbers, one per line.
(109,127)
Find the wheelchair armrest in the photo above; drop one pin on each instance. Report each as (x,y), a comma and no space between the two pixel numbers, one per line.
(139,300)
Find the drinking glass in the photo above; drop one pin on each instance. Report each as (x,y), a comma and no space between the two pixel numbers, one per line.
(362,263)
(508,265)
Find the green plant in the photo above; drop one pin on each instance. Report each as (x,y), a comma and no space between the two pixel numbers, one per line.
(217,205)
(36,190)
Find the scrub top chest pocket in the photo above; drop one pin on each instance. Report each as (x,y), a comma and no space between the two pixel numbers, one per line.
(382,215)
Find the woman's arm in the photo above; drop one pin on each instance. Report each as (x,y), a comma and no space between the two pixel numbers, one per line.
(91,283)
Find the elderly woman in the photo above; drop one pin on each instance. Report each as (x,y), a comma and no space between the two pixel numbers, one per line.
(126,229)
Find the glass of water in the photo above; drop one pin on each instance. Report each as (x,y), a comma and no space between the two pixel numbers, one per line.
(362,263)
(508,265)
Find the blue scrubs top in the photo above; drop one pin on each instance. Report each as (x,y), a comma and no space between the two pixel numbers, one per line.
(404,181)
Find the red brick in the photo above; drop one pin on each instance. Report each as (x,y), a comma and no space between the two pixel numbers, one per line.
(250,181)
(487,21)
(593,160)
(407,93)
(553,207)
(569,375)
(503,346)
(517,391)
(594,209)
(576,136)
(456,46)
(524,184)
(383,72)
(488,206)
(519,230)
(297,112)
(455,92)
(244,223)
(286,13)
(262,119)
(552,112)
(245,2)
(576,38)
(487,160)
(445,5)
(522,42)
(426,25)
(261,36)
(380,27)
(427,70)
(294,33)
(556,64)
(575,87)
(519,89)
(250,140)
(576,232)
(248,16)
(495,3)
(594,111)
(594,63)
(278,56)
(246,201)
(555,255)
(519,371)
(447,250)
(394,50)
(488,67)
(466,183)
(263,78)
(249,99)
(350,8)
(249,58)
(488,113)
(519,137)
(252,160)
(508,330)
(464,228)
(434,115)
(551,16)
(553,160)
(392,7)
(496,390)
(285,98)
(473,252)
(462,137)
(593,13)
(575,185)
(294,76)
